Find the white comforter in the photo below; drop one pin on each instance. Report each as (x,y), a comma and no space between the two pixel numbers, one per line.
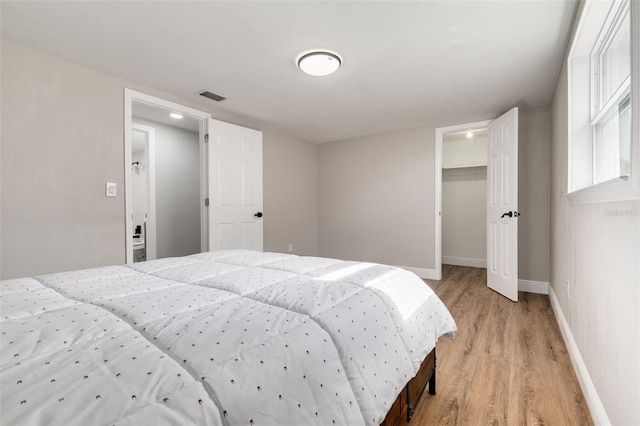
(232,337)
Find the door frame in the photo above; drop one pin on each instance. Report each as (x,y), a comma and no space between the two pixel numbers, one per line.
(131,96)
(440,132)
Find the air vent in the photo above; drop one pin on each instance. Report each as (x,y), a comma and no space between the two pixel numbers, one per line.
(210,95)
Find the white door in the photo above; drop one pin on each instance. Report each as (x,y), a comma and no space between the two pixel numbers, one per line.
(502,205)
(235,187)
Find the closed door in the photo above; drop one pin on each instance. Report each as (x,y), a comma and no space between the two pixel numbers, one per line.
(235,187)
(502,205)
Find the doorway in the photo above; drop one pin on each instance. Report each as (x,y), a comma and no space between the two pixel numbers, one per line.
(460,170)
(464,198)
(501,196)
(167,158)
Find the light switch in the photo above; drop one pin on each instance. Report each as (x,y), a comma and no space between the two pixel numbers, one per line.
(111,189)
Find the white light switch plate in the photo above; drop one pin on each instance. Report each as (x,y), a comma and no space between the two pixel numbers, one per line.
(111,189)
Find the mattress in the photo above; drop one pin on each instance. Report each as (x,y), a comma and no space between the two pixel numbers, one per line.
(219,338)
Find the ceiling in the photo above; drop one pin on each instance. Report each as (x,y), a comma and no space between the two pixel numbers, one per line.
(405,64)
(467,135)
(161,115)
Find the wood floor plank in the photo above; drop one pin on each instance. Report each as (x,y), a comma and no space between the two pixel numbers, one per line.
(508,364)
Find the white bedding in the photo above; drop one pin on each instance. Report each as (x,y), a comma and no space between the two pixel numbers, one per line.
(232,337)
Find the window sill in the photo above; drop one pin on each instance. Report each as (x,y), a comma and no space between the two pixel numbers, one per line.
(618,189)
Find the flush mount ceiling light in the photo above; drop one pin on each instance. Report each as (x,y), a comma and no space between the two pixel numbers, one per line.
(319,63)
(175,115)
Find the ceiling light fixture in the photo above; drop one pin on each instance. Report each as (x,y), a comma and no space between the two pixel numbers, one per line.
(319,63)
(175,115)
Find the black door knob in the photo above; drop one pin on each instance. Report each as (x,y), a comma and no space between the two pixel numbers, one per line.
(259,214)
(509,213)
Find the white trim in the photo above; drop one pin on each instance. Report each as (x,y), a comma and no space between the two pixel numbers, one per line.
(427,274)
(128,206)
(464,261)
(204,185)
(438,203)
(617,189)
(440,132)
(538,287)
(598,413)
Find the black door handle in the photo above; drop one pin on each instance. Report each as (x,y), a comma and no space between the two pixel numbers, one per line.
(510,214)
(259,214)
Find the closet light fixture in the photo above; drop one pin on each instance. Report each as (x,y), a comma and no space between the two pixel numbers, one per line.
(175,115)
(319,63)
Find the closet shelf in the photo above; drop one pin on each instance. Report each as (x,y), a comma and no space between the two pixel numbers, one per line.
(466,166)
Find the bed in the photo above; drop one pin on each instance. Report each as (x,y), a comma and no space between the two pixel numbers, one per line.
(232,337)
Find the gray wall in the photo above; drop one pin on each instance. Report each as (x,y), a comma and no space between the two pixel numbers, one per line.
(291,197)
(376,196)
(177,190)
(595,276)
(63,138)
(464,216)
(534,144)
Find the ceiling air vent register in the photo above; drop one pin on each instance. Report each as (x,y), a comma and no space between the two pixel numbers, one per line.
(210,95)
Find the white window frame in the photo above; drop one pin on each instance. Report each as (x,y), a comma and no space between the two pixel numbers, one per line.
(582,117)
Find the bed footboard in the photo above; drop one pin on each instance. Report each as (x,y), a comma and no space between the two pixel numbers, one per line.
(404,406)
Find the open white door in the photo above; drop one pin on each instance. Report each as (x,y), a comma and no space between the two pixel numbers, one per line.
(235,187)
(502,205)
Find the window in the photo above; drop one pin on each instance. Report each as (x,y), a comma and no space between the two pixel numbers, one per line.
(611,103)
(601,75)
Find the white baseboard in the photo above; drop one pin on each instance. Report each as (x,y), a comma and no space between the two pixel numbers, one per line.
(463,261)
(598,413)
(538,287)
(427,274)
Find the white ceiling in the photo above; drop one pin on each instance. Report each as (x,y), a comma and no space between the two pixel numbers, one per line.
(466,135)
(404,63)
(161,115)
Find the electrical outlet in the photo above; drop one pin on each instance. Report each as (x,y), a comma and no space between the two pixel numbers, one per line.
(290,247)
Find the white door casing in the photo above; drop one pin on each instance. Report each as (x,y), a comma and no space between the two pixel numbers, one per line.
(502,205)
(235,187)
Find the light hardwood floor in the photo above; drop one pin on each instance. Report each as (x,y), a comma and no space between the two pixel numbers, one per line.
(508,364)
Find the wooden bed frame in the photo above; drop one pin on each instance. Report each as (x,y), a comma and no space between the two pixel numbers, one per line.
(405,405)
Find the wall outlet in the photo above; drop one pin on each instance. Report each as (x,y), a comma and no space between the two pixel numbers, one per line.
(290,247)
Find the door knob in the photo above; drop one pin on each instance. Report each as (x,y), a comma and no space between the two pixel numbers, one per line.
(259,214)
(509,213)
